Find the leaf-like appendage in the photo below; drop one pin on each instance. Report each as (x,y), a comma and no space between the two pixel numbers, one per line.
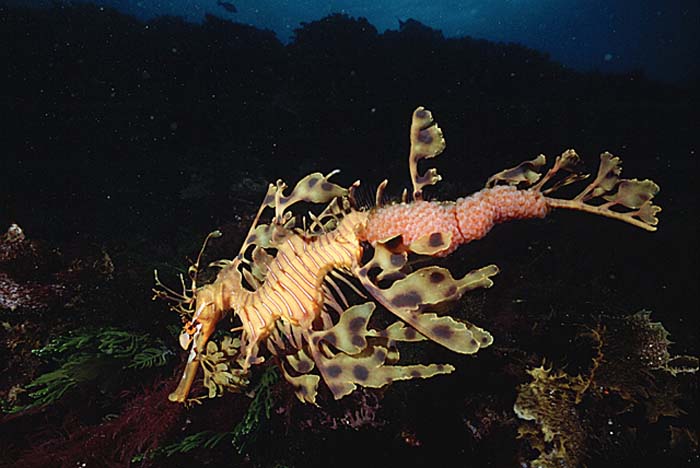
(390,263)
(647,213)
(348,335)
(608,175)
(632,194)
(305,386)
(216,366)
(526,173)
(410,297)
(431,244)
(399,331)
(300,362)
(426,142)
(314,188)
(344,372)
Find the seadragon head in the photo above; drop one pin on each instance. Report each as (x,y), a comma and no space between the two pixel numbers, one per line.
(202,308)
(225,363)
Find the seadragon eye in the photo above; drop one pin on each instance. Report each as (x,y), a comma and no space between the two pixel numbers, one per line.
(187,335)
(185,339)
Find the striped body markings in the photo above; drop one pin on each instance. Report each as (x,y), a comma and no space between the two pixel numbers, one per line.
(292,289)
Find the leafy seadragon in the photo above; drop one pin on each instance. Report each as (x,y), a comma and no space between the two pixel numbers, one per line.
(284,284)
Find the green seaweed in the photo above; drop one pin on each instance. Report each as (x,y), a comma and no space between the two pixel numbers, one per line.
(51,386)
(206,439)
(242,435)
(149,357)
(246,430)
(86,355)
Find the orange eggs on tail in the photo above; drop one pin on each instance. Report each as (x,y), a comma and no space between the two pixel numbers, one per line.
(465,220)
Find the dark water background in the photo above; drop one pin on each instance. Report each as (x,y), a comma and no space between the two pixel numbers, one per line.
(137,139)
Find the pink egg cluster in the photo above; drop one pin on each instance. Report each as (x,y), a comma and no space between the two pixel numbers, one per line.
(412,221)
(479,212)
(467,219)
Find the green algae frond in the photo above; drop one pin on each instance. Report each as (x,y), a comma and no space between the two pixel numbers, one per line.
(90,355)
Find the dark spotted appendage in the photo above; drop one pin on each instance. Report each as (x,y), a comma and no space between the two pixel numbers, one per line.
(424,136)
(334,371)
(380,355)
(397,260)
(437,277)
(331,338)
(425,178)
(435,239)
(360,372)
(304,367)
(356,324)
(443,331)
(410,299)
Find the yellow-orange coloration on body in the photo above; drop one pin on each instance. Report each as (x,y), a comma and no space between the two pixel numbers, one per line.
(288,284)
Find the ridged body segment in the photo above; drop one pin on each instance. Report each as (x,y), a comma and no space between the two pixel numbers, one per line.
(292,290)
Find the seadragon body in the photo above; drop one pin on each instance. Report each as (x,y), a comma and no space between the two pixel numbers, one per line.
(283,286)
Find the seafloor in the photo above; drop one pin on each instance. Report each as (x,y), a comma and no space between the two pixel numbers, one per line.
(125,143)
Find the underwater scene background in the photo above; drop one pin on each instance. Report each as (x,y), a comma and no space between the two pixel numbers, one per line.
(125,141)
